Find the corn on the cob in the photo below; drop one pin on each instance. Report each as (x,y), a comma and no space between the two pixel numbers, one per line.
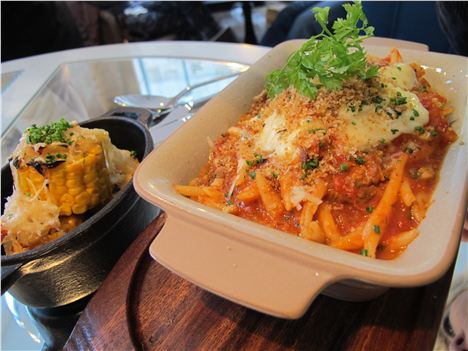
(60,171)
(79,183)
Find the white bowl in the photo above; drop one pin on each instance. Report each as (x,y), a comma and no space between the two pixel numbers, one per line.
(266,269)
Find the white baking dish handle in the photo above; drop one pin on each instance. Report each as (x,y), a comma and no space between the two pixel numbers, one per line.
(246,274)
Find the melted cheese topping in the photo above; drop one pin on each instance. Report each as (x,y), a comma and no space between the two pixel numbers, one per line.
(400,75)
(363,129)
(368,128)
(276,139)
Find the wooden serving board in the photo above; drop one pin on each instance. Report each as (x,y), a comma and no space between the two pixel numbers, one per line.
(141,305)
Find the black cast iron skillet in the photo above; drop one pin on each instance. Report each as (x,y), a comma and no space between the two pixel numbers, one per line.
(72,267)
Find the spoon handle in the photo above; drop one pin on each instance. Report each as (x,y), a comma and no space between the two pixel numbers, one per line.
(189,88)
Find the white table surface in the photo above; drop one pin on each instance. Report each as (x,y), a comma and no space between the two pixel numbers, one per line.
(36,70)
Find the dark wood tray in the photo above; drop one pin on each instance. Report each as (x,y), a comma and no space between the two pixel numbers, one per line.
(142,305)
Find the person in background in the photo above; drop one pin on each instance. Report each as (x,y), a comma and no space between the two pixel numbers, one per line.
(297,21)
(453,17)
(442,25)
(37,27)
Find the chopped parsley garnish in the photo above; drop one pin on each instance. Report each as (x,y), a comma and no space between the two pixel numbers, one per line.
(229,202)
(258,160)
(369,209)
(398,100)
(49,158)
(274,174)
(353,123)
(360,160)
(394,131)
(329,58)
(411,118)
(433,133)
(55,158)
(49,133)
(415,113)
(419,129)
(133,153)
(364,252)
(344,167)
(311,163)
(376,229)
(382,141)
(398,68)
(377,99)
(252,174)
(409,150)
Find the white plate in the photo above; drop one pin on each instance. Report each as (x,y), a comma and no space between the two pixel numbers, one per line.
(281,274)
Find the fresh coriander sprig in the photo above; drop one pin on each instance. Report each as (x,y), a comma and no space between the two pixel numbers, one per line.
(329,58)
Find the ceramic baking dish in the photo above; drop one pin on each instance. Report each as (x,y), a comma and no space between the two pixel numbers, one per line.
(266,269)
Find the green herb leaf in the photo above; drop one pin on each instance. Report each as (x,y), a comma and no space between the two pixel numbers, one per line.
(344,167)
(360,160)
(369,209)
(252,174)
(311,163)
(364,252)
(398,100)
(419,129)
(376,229)
(328,58)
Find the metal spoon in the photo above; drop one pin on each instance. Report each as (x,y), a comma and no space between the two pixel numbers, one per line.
(162,104)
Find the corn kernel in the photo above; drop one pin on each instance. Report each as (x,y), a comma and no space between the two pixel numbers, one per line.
(79,209)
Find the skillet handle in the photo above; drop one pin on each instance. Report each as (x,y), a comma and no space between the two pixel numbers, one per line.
(10,274)
(142,115)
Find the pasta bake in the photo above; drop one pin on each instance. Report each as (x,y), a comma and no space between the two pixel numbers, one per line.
(340,148)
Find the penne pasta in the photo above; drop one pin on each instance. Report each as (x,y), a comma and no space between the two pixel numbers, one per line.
(270,199)
(249,193)
(406,194)
(328,224)
(351,241)
(310,229)
(377,221)
(192,191)
(397,244)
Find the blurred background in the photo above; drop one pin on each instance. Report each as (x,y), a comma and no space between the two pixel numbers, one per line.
(31,28)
